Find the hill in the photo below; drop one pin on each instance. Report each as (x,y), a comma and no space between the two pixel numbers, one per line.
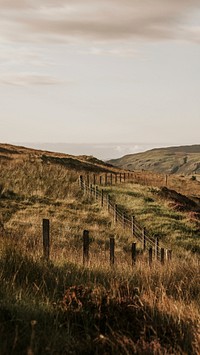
(67,306)
(172,160)
(18,154)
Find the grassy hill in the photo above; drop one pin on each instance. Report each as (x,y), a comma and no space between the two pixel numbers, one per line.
(62,307)
(173,160)
(17,154)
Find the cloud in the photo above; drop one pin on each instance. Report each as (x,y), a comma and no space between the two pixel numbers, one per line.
(22,56)
(28,79)
(94,20)
(118,51)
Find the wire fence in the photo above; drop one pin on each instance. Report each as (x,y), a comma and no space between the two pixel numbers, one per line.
(49,240)
(120,217)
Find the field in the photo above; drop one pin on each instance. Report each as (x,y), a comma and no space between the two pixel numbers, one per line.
(62,307)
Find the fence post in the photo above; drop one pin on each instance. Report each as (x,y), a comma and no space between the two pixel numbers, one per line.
(120,177)
(46,239)
(88,180)
(166,180)
(108,202)
(86,244)
(102,198)
(94,179)
(162,256)
(112,251)
(111,179)
(133,253)
(96,193)
(169,255)
(144,238)
(106,179)
(115,178)
(90,190)
(156,248)
(81,181)
(100,180)
(124,177)
(150,256)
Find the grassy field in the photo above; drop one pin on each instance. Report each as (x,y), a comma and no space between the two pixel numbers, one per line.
(63,307)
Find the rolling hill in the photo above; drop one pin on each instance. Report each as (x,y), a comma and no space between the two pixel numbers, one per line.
(65,305)
(172,160)
(18,154)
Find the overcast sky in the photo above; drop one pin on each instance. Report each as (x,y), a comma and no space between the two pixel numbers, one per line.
(87,71)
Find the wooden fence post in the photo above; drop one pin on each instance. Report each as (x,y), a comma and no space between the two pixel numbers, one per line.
(166,180)
(116,178)
(100,180)
(150,256)
(120,177)
(96,193)
(90,190)
(108,202)
(144,238)
(124,177)
(86,243)
(81,181)
(94,179)
(133,253)
(102,198)
(162,256)
(111,179)
(169,255)
(112,251)
(156,248)
(106,179)
(46,239)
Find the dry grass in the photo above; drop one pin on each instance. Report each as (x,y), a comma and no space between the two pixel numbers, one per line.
(61,307)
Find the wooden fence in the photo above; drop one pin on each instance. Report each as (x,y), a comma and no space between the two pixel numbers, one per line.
(86,242)
(148,243)
(106,179)
(179,183)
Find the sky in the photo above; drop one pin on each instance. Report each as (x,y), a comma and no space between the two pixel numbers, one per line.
(100,72)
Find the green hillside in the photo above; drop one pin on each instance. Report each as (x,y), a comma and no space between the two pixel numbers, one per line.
(172,160)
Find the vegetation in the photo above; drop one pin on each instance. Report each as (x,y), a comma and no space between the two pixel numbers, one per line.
(172,160)
(61,307)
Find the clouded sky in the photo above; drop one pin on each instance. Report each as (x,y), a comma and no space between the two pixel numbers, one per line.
(100,71)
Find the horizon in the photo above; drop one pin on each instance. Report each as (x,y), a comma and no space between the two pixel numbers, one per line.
(102,151)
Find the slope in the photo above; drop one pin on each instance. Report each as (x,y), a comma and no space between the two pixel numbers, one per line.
(172,160)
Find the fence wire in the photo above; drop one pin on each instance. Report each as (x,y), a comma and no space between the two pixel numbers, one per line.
(136,229)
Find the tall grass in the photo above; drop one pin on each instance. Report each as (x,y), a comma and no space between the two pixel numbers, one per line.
(61,307)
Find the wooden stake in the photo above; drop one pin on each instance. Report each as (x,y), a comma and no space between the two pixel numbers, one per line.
(46,239)
(112,251)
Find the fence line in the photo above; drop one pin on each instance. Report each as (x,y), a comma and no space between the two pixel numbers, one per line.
(129,223)
(109,179)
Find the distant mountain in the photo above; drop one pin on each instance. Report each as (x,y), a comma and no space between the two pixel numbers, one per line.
(172,160)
